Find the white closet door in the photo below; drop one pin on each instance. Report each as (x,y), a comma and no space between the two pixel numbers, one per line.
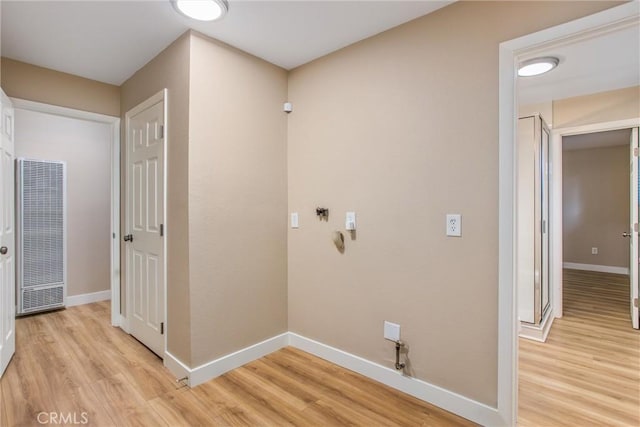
(7,238)
(145,255)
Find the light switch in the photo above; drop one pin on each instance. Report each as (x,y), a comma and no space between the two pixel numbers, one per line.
(350,221)
(294,220)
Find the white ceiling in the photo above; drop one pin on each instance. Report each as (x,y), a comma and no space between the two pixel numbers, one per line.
(608,62)
(611,138)
(110,40)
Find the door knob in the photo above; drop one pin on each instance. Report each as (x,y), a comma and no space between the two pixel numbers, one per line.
(4,250)
(625,234)
(128,238)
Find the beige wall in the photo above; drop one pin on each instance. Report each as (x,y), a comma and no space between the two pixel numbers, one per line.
(26,81)
(227,200)
(86,148)
(397,128)
(237,199)
(170,69)
(402,130)
(595,188)
(597,108)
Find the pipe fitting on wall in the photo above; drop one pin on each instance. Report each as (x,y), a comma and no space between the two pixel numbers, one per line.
(399,366)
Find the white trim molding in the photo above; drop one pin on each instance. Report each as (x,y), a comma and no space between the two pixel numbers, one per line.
(215,368)
(114,122)
(598,268)
(25,104)
(177,368)
(438,396)
(88,298)
(510,53)
(556,199)
(538,332)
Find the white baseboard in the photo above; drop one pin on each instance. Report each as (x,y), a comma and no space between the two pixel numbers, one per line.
(445,399)
(176,367)
(88,298)
(598,268)
(234,360)
(537,332)
(203,373)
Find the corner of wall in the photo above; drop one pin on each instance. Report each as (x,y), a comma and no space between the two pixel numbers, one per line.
(237,198)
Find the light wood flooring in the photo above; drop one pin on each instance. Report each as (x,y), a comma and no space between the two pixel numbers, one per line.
(73,361)
(588,371)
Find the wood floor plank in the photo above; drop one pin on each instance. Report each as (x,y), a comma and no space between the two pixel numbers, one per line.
(4,421)
(255,402)
(227,410)
(181,408)
(34,392)
(73,361)
(150,382)
(588,371)
(406,411)
(81,403)
(124,404)
(216,395)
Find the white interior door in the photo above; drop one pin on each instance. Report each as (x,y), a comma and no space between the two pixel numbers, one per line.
(144,236)
(7,238)
(633,227)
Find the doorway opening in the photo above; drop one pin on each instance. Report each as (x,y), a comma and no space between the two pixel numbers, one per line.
(96,202)
(511,53)
(596,201)
(597,177)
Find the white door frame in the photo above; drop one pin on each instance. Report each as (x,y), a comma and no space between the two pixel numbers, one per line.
(510,53)
(114,122)
(160,96)
(557,134)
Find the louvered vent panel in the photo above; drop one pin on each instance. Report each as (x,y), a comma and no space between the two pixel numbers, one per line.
(40,299)
(41,186)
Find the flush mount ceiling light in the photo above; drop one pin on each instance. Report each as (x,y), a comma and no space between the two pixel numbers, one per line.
(537,66)
(201,10)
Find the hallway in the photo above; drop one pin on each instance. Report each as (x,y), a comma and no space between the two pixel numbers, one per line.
(588,371)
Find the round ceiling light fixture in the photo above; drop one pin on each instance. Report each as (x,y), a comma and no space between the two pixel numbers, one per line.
(537,66)
(201,10)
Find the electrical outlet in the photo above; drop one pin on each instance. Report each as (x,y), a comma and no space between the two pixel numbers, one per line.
(350,221)
(454,225)
(391,331)
(594,251)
